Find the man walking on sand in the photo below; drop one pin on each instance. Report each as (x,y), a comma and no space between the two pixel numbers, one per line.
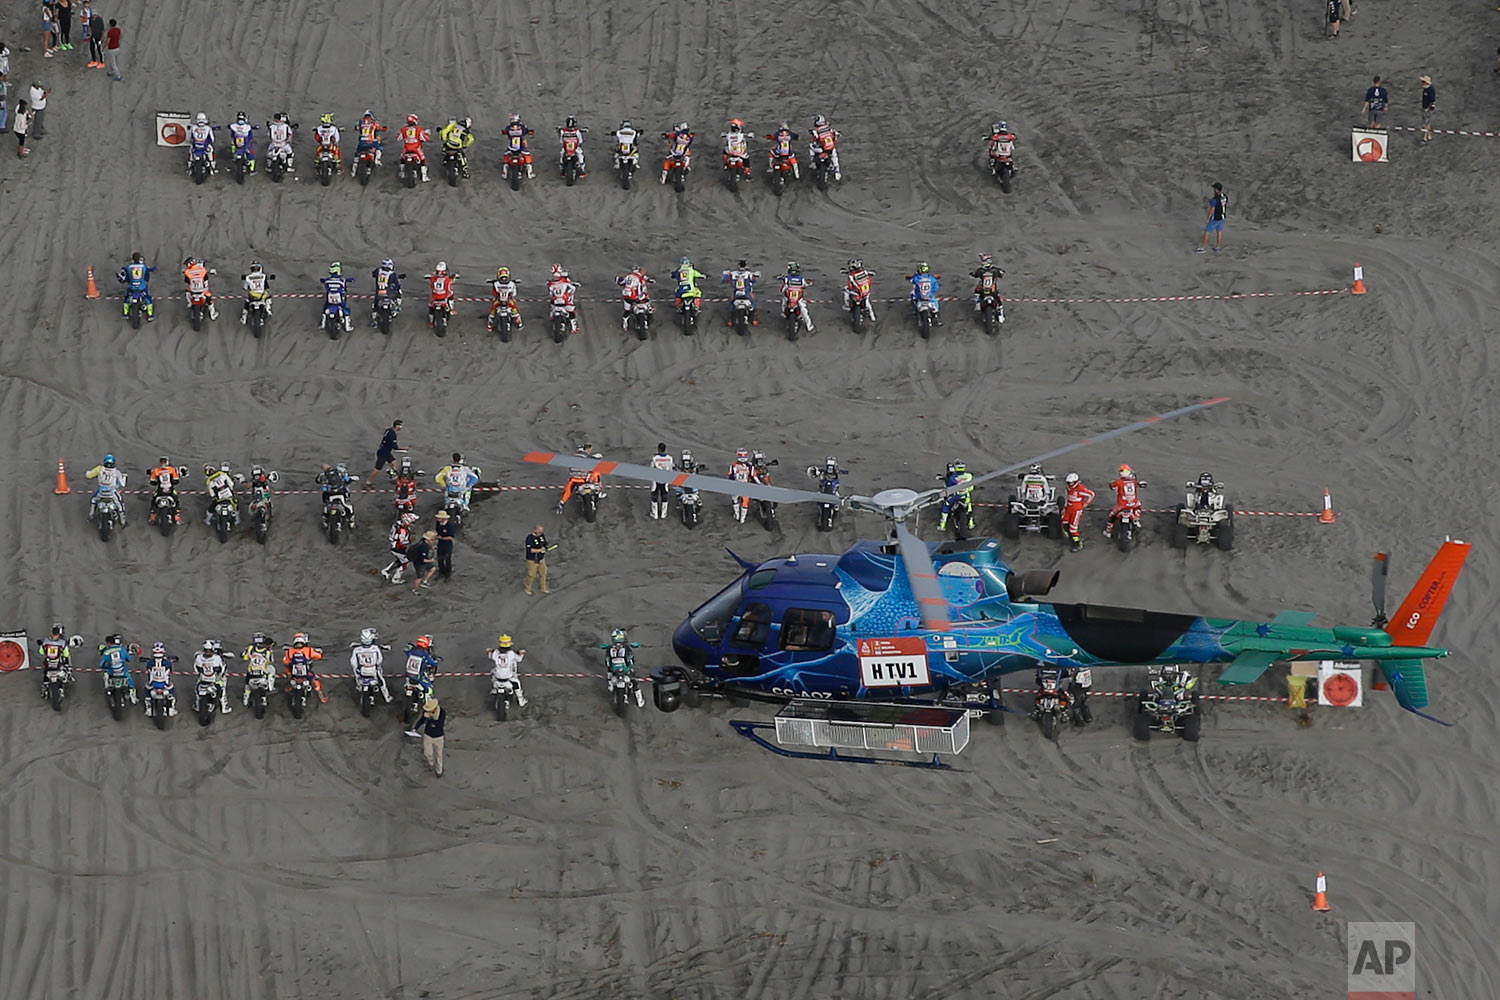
(112,50)
(1429,105)
(1218,207)
(1376,99)
(434,720)
(536,559)
(386,453)
(37,100)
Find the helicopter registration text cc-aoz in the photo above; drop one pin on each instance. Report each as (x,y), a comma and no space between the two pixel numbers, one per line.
(903,619)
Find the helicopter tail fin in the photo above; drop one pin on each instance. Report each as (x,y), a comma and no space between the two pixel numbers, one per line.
(744,563)
(1419,613)
(1408,681)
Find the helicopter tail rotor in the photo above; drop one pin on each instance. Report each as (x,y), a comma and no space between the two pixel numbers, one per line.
(1379,572)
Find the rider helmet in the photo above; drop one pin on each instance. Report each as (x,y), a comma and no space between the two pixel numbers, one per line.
(1126,472)
(409,518)
(853,265)
(114,639)
(259,639)
(661,447)
(368,636)
(572,122)
(458,458)
(466,122)
(924,268)
(617,636)
(256,265)
(783,127)
(442,267)
(502,273)
(280,116)
(423,642)
(682,126)
(742,455)
(368,114)
(687,460)
(136,258)
(504,642)
(515,119)
(209,645)
(327,119)
(202,118)
(1002,127)
(240,117)
(735,125)
(109,461)
(158,648)
(208,469)
(1036,469)
(1205,480)
(684,264)
(300,639)
(793,268)
(223,466)
(387,265)
(164,460)
(57,631)
(625,124)
(187,262)
(558,272)
(743,265)
(1070,478)
(342,470)
(256,472)
(986,260)
(411,119)
(335,268)
(819,121)
(956,466)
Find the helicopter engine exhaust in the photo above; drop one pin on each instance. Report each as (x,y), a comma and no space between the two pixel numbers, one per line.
(1032,583)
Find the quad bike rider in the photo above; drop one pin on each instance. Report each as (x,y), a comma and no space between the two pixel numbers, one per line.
(1169,703)
(1034,506)
(1205,517)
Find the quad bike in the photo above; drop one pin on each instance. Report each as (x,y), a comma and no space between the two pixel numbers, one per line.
(1205,518)
(1035,506)
(1169,704)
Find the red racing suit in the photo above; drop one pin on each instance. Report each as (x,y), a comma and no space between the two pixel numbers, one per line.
(1078,497)
(1127,497)
(440,292)
(412,137)
(742,472)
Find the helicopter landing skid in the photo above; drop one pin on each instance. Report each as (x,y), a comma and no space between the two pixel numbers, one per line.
(751,731)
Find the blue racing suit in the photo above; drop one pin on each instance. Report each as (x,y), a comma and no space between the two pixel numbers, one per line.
(114,660)
(386,283)
(421,664)
(744,284)
(242,136)
(925,288)
(136,277)
(961,501)
(336,293)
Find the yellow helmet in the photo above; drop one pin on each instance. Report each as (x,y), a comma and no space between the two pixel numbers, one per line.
(504,642)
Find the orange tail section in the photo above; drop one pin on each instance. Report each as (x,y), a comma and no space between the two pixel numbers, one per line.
(1414,621)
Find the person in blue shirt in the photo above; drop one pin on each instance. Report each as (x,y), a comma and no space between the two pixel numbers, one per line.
(114,661)
(136,277)
(421,664)
(336,293)
(925,288)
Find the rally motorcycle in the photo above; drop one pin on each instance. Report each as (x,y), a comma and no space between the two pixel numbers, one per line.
(386,308)
(627,161)
(364,165)
(198,306)
(589,494)
(503,322)
(515,162)
(620,677)
(453,166)
(223,517)
(201,164)
(570,169)
(562,323)
(332,322)
(503,694)
(159,705)
(687,314)
(791,311)
(279,161)
(135,306)
(1127,528)
(453,503)
(827,512)
(439,312)
(765,510)
(1168,704)
(822,166)
(742,308)
(674,168)
(927,315)
(408,168)
(1053,703)
(257,310)
(1035,506)
(260,506)
(991,305)
(413,698)
(861,308)
(736,165)
(1205,518)
(689,500)
(117,694)
(107,516)
(258,690)
(1003,169)
(366,689)
(327,166)
(783,164)
(640,318)
(242,158)
(166,511)
(298,690)
(206,695)
(338,514)
(57,681)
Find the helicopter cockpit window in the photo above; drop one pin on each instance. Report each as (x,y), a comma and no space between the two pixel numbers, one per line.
(710,620)
(754,626)
(760,578)
(804,630)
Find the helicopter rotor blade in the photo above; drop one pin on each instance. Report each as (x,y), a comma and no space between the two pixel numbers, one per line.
(1379,571)
(1117,432)
(922,576)
(671,477)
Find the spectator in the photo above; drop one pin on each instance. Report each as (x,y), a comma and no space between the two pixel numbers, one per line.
(86,25)
(38,101)
(112,49)
(65,25)
(422,565)
(536,559)
(4,59)
(1429,105)
(49,32)
(1335,15)
(445,533)
(96,39)
(386,453)
(1376,99)
(1218,207)
(434,719)
(22,122)
(4,104)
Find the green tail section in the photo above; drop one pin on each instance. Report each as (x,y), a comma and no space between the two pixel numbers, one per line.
(1247,667)
(1408,680)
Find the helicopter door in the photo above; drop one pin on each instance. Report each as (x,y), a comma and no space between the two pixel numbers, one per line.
(750,633)
(807,630)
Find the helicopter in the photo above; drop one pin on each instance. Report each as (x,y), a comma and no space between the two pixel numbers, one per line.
(943,621)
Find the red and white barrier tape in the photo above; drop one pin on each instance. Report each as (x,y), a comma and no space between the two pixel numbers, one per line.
(1136,694)
(1445,131)
(321,676)
(1170,510)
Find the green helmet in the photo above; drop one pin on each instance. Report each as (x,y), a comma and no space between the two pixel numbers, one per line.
(335,268)
(923,268)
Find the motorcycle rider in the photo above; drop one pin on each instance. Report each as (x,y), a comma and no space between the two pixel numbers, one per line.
(242,137)
(201,142)
(327,136)
(827,477)
(625,138)
(209,665)
(743,279)
(336,293)
(858,283)
(334,482)
(55,655)
(111,483)
(925,288)
(824,138)
(793,279)
(736,143)
(458,479)
(1083,683)
(405,500)
(195,283)
(114,661)
(1076,497)
(387,285)
(136,277)
(259,657)
(457,136)
(439,291)
(421,663)
(515,133)
(679,144)
(159,678)
(369,129)
(299,658)
(164,477)
(961,503)
(400,540)
(578,477)
(507,667)
(1059,675)
(569,130)
(257,287)
(561,290)
(988,282)
(279,138)
(1002,142)
(660,501)
(741,471)
(366,658)
(634,288)
(219,485)
(503,296)
(781,145)
(619,650)
(687,277)
(1127,497)
(413,135)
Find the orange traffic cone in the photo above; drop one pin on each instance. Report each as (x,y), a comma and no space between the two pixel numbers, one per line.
(1320,897)
(62,480)
(93,289)
(1328,516)
(1359,280)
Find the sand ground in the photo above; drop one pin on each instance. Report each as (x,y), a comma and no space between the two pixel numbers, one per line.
(569,855)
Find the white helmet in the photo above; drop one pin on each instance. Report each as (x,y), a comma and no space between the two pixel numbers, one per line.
(1071,478)
(202,118)
(368,636)
(442,266)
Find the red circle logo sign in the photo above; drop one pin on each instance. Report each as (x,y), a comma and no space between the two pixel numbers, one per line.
(173,134)
(1370,150)
(11,655)
(1340,689)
